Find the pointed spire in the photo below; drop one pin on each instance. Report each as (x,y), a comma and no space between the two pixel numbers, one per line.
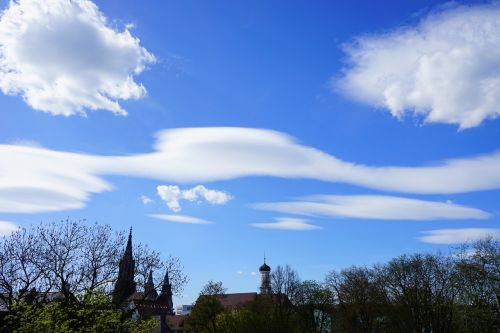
(149,288)
(166,287)
(125,284)
(128,249)
(166,294)
(150,277)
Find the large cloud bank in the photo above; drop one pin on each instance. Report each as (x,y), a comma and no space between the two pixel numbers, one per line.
(62,57)
(35,179)
(445,69)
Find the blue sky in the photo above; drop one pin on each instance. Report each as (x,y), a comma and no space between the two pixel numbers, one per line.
(325,135)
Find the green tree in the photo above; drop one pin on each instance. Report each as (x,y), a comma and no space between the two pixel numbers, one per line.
(203,317)
(93,314)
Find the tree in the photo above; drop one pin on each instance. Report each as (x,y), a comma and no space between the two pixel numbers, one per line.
(313,307)
(421,292)
(477,281)
(203,317)
(285,282)
(20,268)
(94,313)
(73,258)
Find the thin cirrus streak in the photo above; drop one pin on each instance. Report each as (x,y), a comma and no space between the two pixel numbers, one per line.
(35,179)
(379,207)
(457,236)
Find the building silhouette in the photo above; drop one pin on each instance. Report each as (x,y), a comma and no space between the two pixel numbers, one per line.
(147,304)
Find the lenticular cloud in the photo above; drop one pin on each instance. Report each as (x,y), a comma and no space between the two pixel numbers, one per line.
(63,58)
(445,69)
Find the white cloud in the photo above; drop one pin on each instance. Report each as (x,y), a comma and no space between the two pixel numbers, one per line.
(171,194)
(63,58)
(253,273)
(455,236)
(6,228)
(179,219)
(287,223)
(146,200)
(35,179)
(239,272)
(373,207)
(444,69)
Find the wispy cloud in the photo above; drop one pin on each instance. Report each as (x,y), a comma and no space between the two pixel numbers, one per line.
(287,223)
(456,236)
(172,195)
(34,179)
(373,207)
(63,58)
(444,69)
(7,227)
(179,219)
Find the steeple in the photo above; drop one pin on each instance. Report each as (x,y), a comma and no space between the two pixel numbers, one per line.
(149,288)
(128,248)
(125,284)
(166,294)
(265,278)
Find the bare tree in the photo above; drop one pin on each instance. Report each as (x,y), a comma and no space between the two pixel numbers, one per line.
(20,271)
(284,286)
(71,258)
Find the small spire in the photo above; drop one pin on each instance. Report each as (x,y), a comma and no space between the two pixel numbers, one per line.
(166,280)
(149,288)
(150,277)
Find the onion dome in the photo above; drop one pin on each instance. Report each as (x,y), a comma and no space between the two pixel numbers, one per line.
(264,268)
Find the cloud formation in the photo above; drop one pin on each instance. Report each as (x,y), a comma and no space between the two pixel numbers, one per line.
(179,219)
(172,194)
(6,228)
(287,223)
(36,179)
(444,69)
(373,207)
(458,236)
(63,58)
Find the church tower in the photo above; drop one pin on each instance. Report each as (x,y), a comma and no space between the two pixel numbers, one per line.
(150,293)
(265,278)
(166,295)
(125,284)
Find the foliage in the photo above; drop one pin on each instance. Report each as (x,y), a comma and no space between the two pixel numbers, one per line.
(94,313)
(203,317)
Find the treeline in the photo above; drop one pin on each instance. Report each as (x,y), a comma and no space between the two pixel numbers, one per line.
(424,293)
(66,271)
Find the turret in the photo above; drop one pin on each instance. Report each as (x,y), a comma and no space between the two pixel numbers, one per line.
(165,296)
(150,293)
(265,278)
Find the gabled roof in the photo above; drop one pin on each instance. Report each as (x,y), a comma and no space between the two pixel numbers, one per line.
(231,301)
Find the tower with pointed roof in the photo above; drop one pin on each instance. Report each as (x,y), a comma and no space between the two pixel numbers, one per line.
(265,278)
(150,293)
(125,284)
(165,296)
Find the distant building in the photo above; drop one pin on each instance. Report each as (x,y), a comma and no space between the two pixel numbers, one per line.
(183,310)
(147,304)
(236,301)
